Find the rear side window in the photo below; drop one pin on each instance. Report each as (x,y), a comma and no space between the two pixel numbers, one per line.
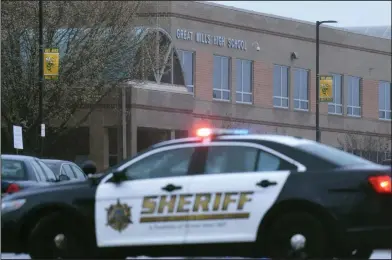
(270,162)
(230,159)
(333,155)
(13,170)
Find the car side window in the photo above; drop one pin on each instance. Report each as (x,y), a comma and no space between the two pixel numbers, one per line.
(66,169)
(169,163)
(38,171)
(270,162)
(230,159)
(78,172)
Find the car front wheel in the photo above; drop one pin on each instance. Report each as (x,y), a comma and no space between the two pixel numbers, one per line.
(55,236)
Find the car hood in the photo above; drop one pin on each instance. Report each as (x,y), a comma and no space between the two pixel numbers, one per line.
(61,186)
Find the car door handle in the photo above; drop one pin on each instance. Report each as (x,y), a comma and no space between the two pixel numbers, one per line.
(171,187)
(266,183)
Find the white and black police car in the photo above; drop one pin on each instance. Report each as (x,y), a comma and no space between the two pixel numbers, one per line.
(223,192)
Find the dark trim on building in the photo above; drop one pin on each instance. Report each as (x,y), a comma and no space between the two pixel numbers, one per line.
(238,120)
(257,30)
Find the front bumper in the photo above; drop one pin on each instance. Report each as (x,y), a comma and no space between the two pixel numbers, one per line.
(370,237)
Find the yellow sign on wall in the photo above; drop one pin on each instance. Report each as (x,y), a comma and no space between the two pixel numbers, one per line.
(51,63)
(326,89)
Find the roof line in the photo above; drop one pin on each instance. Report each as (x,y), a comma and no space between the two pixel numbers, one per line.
(342,29)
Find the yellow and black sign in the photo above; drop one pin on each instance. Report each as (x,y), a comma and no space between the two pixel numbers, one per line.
(326,89)
(51,63)
(119,216)
(199,206)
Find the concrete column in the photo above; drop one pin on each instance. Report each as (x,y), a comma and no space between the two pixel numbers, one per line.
(132,130)
(172,134)
(98,135)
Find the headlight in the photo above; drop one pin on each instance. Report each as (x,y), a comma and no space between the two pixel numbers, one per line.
(12,205)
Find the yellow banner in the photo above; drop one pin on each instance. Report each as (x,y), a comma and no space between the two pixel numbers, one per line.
(326,89)
(51,63)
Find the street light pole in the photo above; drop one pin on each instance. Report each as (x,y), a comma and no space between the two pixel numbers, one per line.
(318,132)
(41,73)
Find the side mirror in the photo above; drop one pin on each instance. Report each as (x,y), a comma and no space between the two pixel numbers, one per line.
(64,177)
(119,176)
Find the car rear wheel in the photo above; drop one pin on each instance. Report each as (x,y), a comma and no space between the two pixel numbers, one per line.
(55,236)
(276,242)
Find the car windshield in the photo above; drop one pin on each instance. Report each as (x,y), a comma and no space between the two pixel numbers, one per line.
(13,170)
(47,170)
(333,155)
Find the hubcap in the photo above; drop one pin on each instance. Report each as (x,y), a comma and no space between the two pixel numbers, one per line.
(60,241)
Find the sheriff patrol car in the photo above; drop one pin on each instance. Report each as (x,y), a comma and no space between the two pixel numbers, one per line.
(223,192)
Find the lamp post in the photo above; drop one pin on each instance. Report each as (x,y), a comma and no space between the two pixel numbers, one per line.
(41,72)
(318,23)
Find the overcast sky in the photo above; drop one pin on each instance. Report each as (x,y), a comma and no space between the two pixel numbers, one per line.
(347,13)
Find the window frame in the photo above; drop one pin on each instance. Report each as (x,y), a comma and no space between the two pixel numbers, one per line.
(281,98)
(350,97)
(334,104)
(385,85)
(242,92)
(307,90)
(258,153)
(180,54)
(228,90)
(108,177)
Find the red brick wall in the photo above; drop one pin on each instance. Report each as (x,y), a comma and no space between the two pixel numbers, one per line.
(369,98)
(204,75)
(263,74)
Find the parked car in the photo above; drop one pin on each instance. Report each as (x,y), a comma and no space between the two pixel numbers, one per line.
(70,169)
(20,172)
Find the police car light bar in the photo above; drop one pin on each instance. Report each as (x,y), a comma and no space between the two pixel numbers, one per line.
(208,132)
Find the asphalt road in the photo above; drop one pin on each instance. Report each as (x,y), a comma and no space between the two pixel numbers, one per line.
(377,254)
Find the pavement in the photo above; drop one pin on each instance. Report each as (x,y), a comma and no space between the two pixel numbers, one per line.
(377,254)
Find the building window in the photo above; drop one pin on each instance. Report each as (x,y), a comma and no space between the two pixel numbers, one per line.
(244,81)
(281,86)
(384,100)
(301,101)
(221,89)
(353,97)
(336,107)
(187,64)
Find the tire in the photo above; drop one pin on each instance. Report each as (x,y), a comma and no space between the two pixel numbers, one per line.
(276,240)
(41,239)
(361,253)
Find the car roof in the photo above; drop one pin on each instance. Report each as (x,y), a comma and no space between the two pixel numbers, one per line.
(17,157)
(56,161)
(281,139)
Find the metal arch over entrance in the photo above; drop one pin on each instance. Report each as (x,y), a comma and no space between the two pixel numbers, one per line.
(161,61)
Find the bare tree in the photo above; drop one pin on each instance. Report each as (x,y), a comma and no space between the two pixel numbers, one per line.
(99,43)
(370,147)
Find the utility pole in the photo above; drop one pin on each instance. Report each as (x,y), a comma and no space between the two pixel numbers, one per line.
(318,132)
(41,74)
